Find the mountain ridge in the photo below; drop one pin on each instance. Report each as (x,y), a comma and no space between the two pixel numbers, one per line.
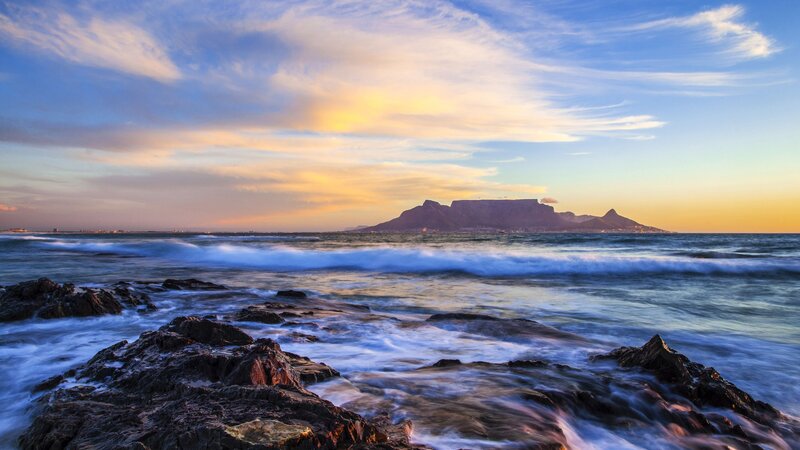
(523,215)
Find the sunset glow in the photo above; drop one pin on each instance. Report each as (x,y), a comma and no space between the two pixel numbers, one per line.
(307,115)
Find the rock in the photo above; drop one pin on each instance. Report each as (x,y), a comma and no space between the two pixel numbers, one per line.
(700,384)
(184,386)
(258,313)
(48,384)
(208,331)
(447,363)
(270,433)
(496,327)
(459,316)
(527,363)
(47,299)
(134,299)
(310,371)
(302,337)
(291,294)
(191,284)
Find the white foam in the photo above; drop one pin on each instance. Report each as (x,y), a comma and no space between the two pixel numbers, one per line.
(495,261)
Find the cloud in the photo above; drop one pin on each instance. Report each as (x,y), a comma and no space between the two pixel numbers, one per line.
(549,200)
(509,160)
(7,208)
(723,26)
(310,114)
(435,72)
(95,41)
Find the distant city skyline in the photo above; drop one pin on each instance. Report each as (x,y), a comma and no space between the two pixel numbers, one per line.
(321,116)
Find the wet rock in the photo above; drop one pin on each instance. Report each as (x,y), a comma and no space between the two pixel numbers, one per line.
(459,316)
(447,363)
(184,386)
(302,337)
(702,385)
(134,299)
(310,371)
(48,384)
(191,284)
(291,294)
(208,332)
(497,327)
(527,363)
(270,433)
(47,299)
(258,313)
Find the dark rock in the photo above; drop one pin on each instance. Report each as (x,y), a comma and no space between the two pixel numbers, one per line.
(134,299)
(258,313)
(208,331)
(310,371)
(702,385)
(302,337)
(191,284)
(291,294)
(496,327)
(180,388)
(47,299)
(459,316)
(447,363)
(527,363)
(48,384)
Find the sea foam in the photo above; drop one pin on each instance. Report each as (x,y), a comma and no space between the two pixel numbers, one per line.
(489,262)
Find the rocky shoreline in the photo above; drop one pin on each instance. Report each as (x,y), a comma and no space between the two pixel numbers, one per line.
(203,382)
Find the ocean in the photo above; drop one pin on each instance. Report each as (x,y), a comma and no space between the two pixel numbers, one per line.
(731,301)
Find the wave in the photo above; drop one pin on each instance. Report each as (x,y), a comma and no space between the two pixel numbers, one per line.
(23,237)
(711,254)
(492,262)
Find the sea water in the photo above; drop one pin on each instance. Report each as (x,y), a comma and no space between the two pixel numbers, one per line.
(727,301)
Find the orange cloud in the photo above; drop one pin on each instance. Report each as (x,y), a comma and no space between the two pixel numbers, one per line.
(7,208)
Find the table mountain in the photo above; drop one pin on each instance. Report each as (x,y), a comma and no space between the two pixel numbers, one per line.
(504,215)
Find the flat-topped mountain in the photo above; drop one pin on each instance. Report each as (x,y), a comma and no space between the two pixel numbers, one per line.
(505,215)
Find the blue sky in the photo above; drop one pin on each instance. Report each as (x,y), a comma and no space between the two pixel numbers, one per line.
(314,115)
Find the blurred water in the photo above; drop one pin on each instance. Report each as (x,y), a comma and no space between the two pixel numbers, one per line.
(729,301)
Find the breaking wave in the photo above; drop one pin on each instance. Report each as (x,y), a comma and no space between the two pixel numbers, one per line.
(490,262)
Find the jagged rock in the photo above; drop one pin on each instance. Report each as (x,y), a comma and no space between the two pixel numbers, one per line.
(259,313)
(700,384)
(184,386)
(134,299)
(586,395)
(310,371)
(291,294)
(47,299)
(191,284)
(208,331)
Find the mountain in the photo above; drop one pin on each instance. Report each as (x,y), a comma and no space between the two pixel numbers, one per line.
(504,215)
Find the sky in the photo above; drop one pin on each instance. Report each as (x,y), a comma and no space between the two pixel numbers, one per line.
(320,115)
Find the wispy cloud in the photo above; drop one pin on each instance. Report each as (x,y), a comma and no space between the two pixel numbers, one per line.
(7,208)
(94,41)
(282,110)
(723,26)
